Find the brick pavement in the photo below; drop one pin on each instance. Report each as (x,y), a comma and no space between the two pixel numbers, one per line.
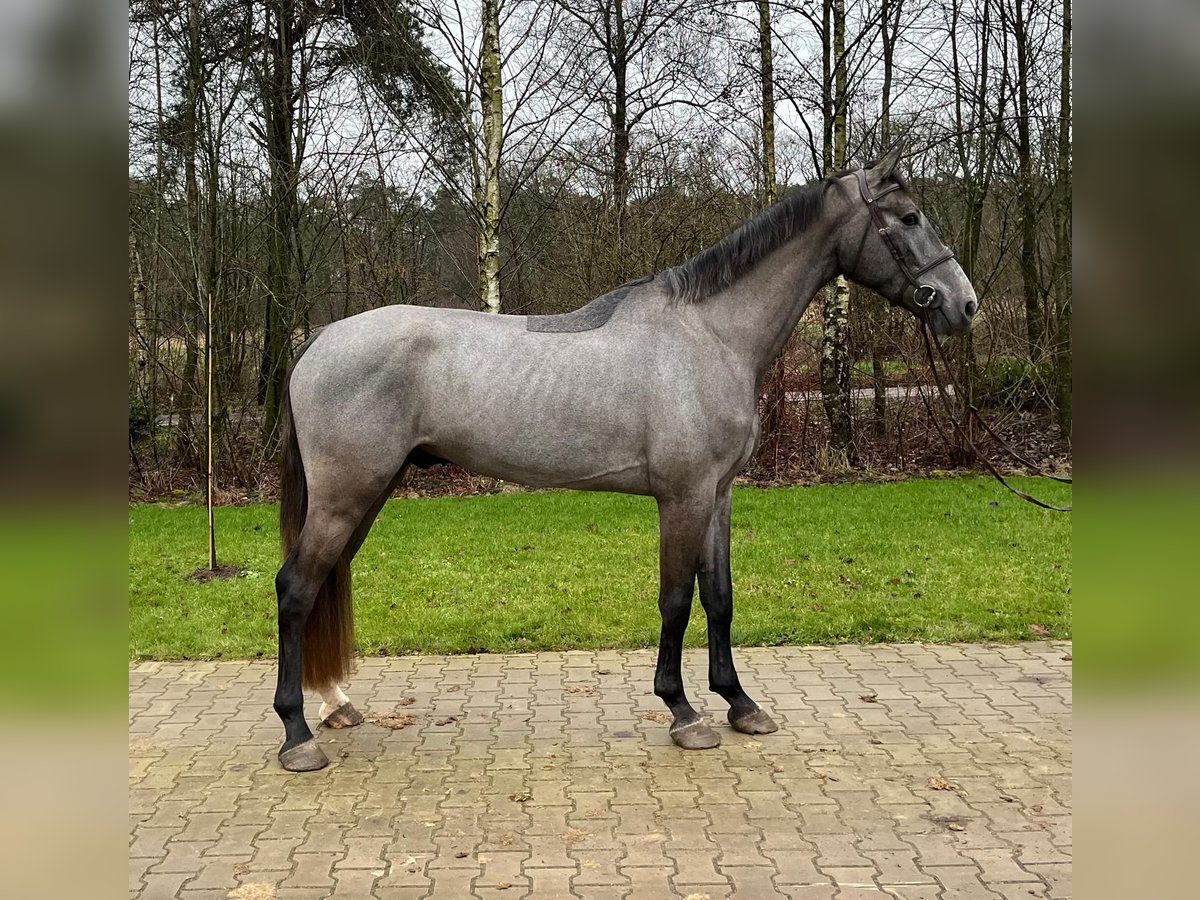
(905,771)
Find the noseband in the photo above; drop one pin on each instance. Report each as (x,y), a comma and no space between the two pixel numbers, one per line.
(925,296)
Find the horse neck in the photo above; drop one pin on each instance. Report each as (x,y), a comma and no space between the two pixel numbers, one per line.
(758,313)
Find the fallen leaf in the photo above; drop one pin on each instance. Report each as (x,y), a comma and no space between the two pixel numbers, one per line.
(575,835)
(585,690)
(461,854)
(957,826)
(602,672)
(661,717)
(1066,658)
(241,869)
(1039,630)
(938,783)
(875,741)
(503,886)
(520,797)
(868,698)
(447,720)
(454,689)
(406,701)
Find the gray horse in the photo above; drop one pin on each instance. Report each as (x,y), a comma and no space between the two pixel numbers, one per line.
(652,389)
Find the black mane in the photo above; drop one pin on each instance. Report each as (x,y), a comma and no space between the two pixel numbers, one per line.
(716,268)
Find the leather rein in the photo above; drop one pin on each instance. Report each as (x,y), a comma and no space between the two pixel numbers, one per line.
(926,297)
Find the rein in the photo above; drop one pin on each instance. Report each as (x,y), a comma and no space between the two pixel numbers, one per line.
(927,298)
(930,343)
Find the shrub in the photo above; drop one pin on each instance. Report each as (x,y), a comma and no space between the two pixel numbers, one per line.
(139,418)
(1012,383)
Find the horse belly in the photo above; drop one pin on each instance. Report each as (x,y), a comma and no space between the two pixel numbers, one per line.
(559,421)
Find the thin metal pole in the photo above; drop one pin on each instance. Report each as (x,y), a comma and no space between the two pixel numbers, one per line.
(208,366)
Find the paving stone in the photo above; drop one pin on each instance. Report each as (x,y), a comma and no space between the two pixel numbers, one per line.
(551,783)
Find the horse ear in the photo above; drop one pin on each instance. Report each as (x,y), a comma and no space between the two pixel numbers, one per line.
(886,167)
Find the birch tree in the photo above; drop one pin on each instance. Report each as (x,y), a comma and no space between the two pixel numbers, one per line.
(491,104)
(835,320)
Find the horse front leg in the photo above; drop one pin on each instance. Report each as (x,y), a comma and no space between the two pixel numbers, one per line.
(682,526)
(716,596)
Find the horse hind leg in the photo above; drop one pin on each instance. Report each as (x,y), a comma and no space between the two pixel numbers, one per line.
(336,709)
(313,573)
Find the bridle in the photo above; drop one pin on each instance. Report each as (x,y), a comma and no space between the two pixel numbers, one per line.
(924,296)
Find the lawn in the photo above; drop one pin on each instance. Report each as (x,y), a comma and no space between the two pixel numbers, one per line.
(939,560)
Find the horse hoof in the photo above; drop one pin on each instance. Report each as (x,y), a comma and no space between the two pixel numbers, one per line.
(306,757)
(756,722)
(345,716)
(695,736)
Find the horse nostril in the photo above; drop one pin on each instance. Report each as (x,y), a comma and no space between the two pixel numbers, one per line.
(971,308)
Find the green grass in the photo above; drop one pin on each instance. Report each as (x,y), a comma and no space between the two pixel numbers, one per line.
(945,560)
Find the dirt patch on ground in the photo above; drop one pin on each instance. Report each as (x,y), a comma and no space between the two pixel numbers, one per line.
(220,573)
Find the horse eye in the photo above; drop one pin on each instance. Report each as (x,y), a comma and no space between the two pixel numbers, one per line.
(910,219)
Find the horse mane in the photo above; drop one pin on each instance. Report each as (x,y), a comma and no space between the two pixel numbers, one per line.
(711,271)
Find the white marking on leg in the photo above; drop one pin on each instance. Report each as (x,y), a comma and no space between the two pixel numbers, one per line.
(334,697)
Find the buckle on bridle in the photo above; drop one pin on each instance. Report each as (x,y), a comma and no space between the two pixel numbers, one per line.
(931,297)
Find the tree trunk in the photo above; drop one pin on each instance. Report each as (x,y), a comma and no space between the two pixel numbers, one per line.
(1062,279)
(975,161)
(193,77)
(887,33)
(620,130)
(141,315)
(1029,275)
(279,112)
(491,100)
(835,344)
(767,81)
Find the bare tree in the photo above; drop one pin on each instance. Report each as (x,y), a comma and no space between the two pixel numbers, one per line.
(1062,231)
(767,83)
(835,344)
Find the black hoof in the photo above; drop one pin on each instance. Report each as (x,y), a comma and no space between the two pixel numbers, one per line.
(695,736)
(306,757)
(756,722)
(345,716)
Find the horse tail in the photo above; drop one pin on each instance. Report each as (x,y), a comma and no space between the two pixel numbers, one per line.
(328,644)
